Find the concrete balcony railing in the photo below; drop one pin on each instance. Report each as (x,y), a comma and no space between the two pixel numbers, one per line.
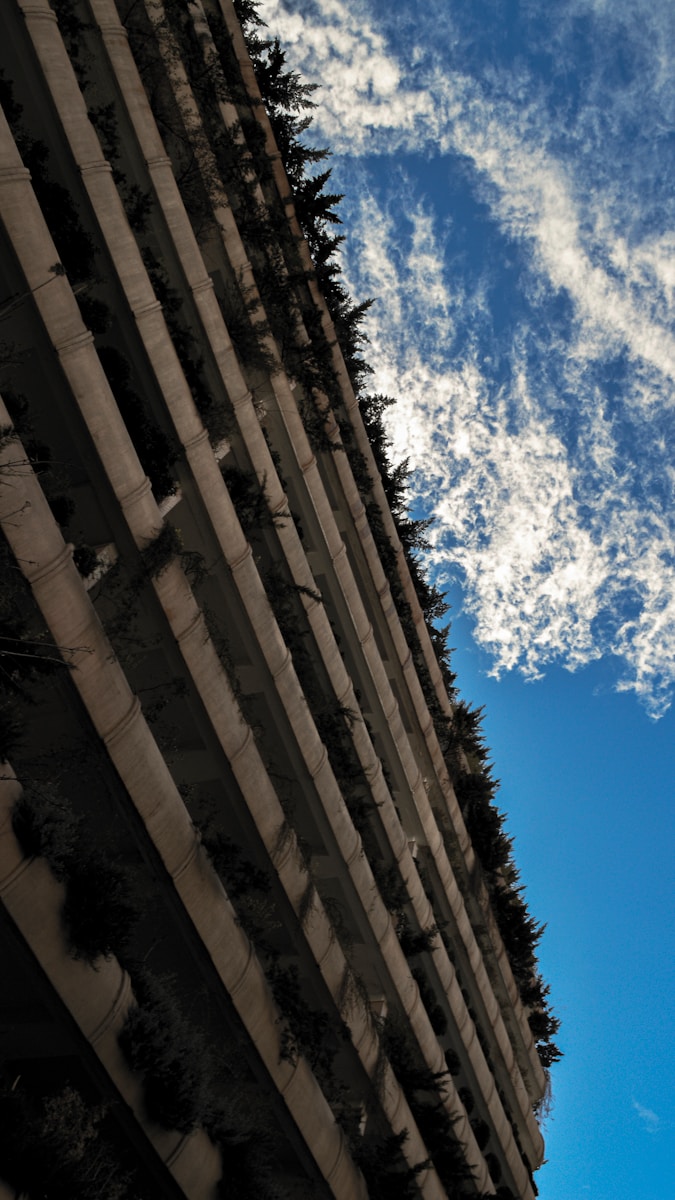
(230,542)
(169,587)
(98,997)
(307,468)
(139,507)
(496,960)
(500,973)
(62,598)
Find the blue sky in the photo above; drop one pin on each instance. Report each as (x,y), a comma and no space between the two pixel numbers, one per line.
(508,171)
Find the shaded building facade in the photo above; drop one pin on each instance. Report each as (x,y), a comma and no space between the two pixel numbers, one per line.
(261,931)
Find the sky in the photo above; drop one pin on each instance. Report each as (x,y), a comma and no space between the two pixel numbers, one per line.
(508,172)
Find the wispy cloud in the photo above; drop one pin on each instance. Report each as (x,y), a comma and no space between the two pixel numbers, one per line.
(650,1120)
(561,558)
(543,442)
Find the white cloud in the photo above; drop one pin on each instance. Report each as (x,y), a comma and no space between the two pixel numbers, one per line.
(560,560)
(650,1120)
(364,93)
(370,103)
(552,489)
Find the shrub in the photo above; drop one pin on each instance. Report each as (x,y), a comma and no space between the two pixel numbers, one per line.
(437,1017)
(483,819)
(402,1051)
(249,499)
(390,885)
(387,1175)
(11,729)
(62,508)
(494,1167)
(85,559)
(160,552)
(100,910)
(95,313)
(481,1132)
(237,872)
(452,1062)
(412,943)
(437,1128)
(45,826)
(157,452)
(169,1054)
(54,1147)
(306,1030)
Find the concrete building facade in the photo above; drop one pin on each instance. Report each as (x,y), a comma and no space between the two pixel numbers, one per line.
(250,945)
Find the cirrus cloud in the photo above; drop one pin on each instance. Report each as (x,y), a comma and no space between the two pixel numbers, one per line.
(541,438)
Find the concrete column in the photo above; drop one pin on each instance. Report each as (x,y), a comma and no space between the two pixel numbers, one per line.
(38,546)
(117,46)
(149,314)
(511,1005)
(333,540)
(184,415)
(98,998)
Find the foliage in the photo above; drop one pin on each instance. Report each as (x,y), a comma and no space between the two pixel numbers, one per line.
(466,723)
(520,933)
(85,559)
(452,1062)
(11,728)
(387,1175)
(156,451)
(306,1029)
(100,910)
(335,911)
(189,1084)
(413,943)
(55,1147)
(27,656)
(77,253)
(245,884)
(169,1054)
(250,333)
(390,886)
(63,510)
(424,1090)
(483,819)
(95,313)
(481,1132)
(53,479)
(45,826)
(249,499)
(237,871)
(214,410)
(437,1018)
(160,552)
(437,1128)
(411,1071)
(286,99)
(75,247)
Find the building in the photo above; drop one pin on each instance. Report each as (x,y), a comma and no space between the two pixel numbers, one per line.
(261,932)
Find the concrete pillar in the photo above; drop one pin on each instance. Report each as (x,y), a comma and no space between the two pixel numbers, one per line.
(336,549)
(511,1005)
(97,997)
